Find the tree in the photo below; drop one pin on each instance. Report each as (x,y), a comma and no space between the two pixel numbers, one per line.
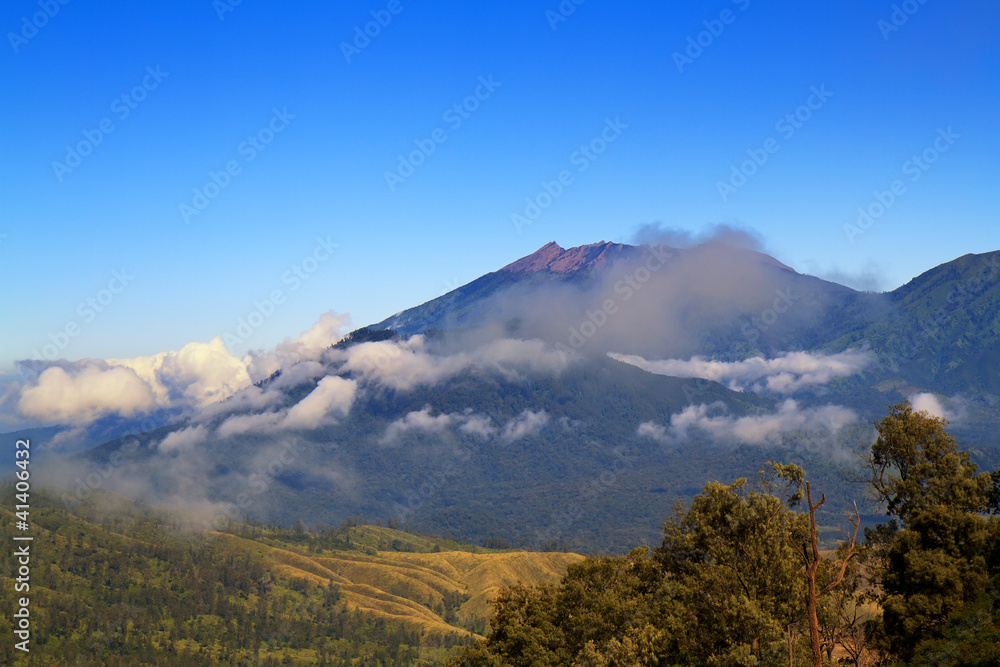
(736,572)
(733,550)
(934,560)
(811,560)
(848,615)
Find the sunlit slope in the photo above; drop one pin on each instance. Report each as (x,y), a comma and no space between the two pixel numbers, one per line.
(412,587)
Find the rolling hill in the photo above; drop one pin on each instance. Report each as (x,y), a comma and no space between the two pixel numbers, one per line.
(116,583)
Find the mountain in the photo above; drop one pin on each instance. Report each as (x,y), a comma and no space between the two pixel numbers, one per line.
(570,398)
(443,476)
(472,304)
(941,328)
(939,332)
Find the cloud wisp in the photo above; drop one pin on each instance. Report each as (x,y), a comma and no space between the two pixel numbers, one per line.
(784,374)
(773,428)
(528,423)
(405,364)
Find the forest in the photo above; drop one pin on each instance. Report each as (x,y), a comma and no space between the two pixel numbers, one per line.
(740,580)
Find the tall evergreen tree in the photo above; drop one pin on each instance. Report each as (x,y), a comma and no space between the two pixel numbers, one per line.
(935,555)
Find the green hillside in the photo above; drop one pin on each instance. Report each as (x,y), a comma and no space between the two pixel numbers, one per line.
(113,583)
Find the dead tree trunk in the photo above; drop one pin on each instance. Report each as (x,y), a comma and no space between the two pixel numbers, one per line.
(811,559)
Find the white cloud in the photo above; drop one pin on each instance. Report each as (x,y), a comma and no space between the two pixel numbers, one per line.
(468,423)
(406,364)
(784,374)
(252,398)
(765,429)
(525,424)
(478,425)
(332,397)
(197,375)
(297,374)
(196,379)
(418,420)
(952,409)
(85,392)
(654,431)
(308,346)
(184,440)
(265,422)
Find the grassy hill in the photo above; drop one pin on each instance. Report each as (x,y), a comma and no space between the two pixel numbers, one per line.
(437,587)
(114,583)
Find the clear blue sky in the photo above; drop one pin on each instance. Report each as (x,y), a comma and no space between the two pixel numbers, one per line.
(323,173)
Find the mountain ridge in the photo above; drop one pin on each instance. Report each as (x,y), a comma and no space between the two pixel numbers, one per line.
(438,450)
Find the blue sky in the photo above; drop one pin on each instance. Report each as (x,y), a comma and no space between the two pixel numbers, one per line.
(331,121)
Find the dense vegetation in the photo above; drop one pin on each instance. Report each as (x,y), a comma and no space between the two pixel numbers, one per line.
(585,483)
(740,578)
(113,583)
(730,585)
(127,589)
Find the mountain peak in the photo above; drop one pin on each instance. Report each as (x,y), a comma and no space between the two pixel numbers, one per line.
(556,259)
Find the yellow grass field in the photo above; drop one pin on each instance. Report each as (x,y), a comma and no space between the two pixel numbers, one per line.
(410,587)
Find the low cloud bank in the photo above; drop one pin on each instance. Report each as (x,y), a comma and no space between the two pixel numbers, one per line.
(766,429)
(189,380)
(528,423)
(405,364)
(954,408)
(787,373)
